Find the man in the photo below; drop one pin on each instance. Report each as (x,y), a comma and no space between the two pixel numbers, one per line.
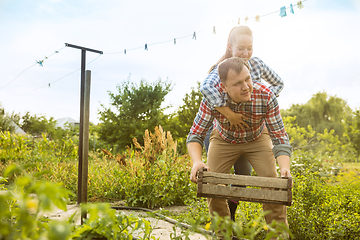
(264,140)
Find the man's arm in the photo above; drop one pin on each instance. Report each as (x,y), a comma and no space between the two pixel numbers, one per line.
(284,165)
(202,122)
(195,152)
(282,148)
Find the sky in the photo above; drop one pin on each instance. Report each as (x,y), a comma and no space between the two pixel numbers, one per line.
(316,49)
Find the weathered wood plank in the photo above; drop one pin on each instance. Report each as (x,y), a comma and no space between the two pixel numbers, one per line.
(251,181)
(239,193)
(217,185)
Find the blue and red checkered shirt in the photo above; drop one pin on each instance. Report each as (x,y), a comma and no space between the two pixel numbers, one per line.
(262,110)
(258,70)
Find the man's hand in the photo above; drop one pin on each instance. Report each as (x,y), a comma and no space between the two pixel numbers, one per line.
(285,172)
(284,164)
(196,167)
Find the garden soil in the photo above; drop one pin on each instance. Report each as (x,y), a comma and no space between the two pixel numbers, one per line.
(161,229)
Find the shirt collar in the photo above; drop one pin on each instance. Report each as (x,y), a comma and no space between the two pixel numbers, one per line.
(229,100)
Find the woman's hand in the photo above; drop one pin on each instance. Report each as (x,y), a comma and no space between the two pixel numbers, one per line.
(237,121)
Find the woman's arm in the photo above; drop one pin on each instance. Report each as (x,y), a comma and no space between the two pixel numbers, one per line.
(210,89)
(262,71)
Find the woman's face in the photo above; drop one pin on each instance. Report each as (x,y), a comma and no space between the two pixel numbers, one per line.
(242,47)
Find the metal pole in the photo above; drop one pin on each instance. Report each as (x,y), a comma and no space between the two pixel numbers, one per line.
(85,147)
(81,129)
(84,127)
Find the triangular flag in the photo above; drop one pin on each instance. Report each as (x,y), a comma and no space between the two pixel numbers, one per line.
(174,41)
(291,9)
(124,51)
(257,18)
(214,32)
(146,48)
(239,21)
(246,19)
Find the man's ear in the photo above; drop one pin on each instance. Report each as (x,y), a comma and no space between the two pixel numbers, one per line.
(222,85)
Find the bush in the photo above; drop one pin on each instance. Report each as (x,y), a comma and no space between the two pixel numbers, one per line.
(24,202)
(154,175)
(325,211)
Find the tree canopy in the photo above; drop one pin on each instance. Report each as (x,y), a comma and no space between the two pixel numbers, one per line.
(321,112)
(134,108)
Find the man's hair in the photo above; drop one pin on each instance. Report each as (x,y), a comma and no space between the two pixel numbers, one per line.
(234,63)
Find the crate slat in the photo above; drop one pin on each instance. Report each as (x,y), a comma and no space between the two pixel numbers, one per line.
(217,185)
(251,181)
(244,194)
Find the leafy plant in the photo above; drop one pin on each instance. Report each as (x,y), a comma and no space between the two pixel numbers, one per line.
(24,201)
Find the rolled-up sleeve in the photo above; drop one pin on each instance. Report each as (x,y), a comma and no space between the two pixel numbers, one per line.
(276,129)
(202,123)
(282,149)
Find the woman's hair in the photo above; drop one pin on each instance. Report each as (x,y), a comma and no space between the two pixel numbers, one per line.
(234,33)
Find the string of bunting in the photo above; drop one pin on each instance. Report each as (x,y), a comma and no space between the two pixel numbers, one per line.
(282,11)
(37,62)
(49,84)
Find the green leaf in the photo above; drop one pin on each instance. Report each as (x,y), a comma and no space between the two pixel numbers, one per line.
(10,170)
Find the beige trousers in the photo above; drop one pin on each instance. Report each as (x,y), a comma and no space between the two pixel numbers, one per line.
(222,156)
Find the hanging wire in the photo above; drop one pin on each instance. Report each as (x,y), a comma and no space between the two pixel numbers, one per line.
(49,84)
(125,51)
(18,76)
(130,49)
(30,67)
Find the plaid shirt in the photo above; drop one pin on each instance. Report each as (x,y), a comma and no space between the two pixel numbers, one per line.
(261,110)
(258,71)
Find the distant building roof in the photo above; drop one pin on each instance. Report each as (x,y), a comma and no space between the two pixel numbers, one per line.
(62,121)
(18,130)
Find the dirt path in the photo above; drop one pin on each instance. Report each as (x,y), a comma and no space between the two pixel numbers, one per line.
(161,229)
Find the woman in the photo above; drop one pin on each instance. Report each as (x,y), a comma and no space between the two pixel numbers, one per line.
(240,44)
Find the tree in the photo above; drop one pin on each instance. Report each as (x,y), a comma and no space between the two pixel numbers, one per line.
(184,117)
(5,120)
(353,131)
(37,125)
(134,109)
(321,112)
(181,120)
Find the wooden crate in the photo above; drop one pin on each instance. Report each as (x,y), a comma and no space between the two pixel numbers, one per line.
(217,185)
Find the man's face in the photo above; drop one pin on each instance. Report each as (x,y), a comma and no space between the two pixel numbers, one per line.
(238,86)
